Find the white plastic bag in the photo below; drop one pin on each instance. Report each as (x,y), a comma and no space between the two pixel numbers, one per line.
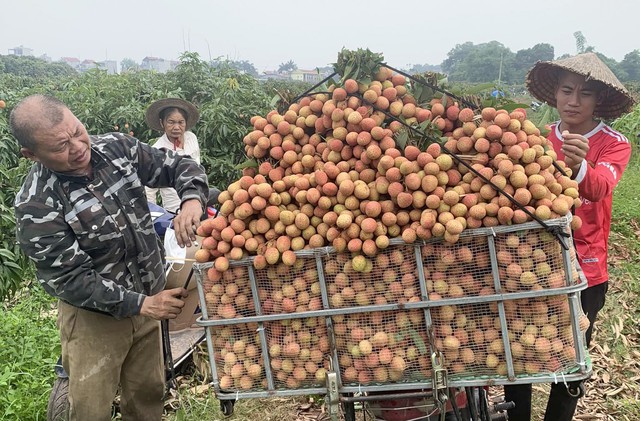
(172,251)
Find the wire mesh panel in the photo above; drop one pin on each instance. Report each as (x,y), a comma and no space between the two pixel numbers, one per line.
(238,357)
(289,289)
(470,338)
(391,277)
(228,294)
(382,347)
(532,260)
(542,336)
(298,352)
(458,270)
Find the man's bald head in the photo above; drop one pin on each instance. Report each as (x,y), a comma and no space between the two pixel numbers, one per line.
(33,113)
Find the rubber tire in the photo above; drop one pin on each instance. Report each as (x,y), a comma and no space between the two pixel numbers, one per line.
(58,406)
(226,407)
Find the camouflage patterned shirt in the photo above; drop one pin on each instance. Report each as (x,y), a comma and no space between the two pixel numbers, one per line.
(92,238)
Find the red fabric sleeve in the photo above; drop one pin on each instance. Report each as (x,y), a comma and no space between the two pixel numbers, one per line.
(603,175)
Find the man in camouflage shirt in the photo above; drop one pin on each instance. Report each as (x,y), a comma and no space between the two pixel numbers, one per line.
(82,217)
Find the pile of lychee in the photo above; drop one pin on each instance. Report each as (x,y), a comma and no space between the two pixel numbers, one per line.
(330,173)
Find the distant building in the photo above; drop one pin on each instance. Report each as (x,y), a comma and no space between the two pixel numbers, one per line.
(272,74)
(87,65)
(71,61)
(45,58)
(21,51)
(311,76)
(111,66)
(157,64)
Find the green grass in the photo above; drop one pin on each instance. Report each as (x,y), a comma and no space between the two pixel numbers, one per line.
(626,196)
(29,351)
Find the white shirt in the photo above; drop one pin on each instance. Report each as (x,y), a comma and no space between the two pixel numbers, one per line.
(170,198)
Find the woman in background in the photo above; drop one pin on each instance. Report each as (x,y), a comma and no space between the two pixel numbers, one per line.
(174,117)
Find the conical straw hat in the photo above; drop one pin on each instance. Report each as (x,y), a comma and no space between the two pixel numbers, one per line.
(152,116)
(542,82)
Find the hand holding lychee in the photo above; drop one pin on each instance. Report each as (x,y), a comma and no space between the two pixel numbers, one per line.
(575,148)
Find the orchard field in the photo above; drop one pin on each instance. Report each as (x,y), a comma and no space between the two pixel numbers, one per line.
(227,100)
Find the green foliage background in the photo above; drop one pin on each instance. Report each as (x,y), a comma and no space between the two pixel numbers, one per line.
(226,98)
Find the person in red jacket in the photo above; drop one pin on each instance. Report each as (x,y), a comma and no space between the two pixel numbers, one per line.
(585,91)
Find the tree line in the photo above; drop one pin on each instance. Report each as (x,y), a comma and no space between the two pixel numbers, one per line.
(466,62)
(493,61)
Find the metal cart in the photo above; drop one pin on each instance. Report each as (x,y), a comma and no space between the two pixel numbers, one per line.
(499,307)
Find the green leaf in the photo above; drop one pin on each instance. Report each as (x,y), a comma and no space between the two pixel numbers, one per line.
(12,265)
(544,120)
(512,106)
(479,88)
(487,103)
(401,139)
(249,163)
(417,339)
(7,254)
(275,100)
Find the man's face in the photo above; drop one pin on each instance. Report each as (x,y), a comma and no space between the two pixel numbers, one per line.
(576,99)
(64,148)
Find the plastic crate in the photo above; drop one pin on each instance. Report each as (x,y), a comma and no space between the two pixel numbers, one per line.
(501,306)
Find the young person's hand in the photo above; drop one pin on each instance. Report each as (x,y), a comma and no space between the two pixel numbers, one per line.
(574,148)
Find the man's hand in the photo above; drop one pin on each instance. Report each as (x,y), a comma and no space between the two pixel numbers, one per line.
(187,221)
(166,304)
(574,148)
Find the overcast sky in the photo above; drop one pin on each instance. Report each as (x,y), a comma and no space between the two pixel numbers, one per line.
(311,34)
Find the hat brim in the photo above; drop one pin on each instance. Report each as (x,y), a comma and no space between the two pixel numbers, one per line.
(152,116)
(542,82)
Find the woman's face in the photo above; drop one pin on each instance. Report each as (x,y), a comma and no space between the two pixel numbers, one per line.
(174,124)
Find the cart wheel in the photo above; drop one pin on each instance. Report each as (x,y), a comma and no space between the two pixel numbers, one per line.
(349,409)
(58,407)
(226,407)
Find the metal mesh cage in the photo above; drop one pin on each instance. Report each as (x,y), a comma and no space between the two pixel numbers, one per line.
(501,305)
(238,358)
(382,347)
(298,352)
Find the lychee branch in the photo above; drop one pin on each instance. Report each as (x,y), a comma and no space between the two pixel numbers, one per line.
(434,87)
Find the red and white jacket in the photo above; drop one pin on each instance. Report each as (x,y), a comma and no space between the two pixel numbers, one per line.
(609,153)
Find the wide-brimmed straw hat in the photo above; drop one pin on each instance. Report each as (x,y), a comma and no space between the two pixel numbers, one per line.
(152,116)
(542,81)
